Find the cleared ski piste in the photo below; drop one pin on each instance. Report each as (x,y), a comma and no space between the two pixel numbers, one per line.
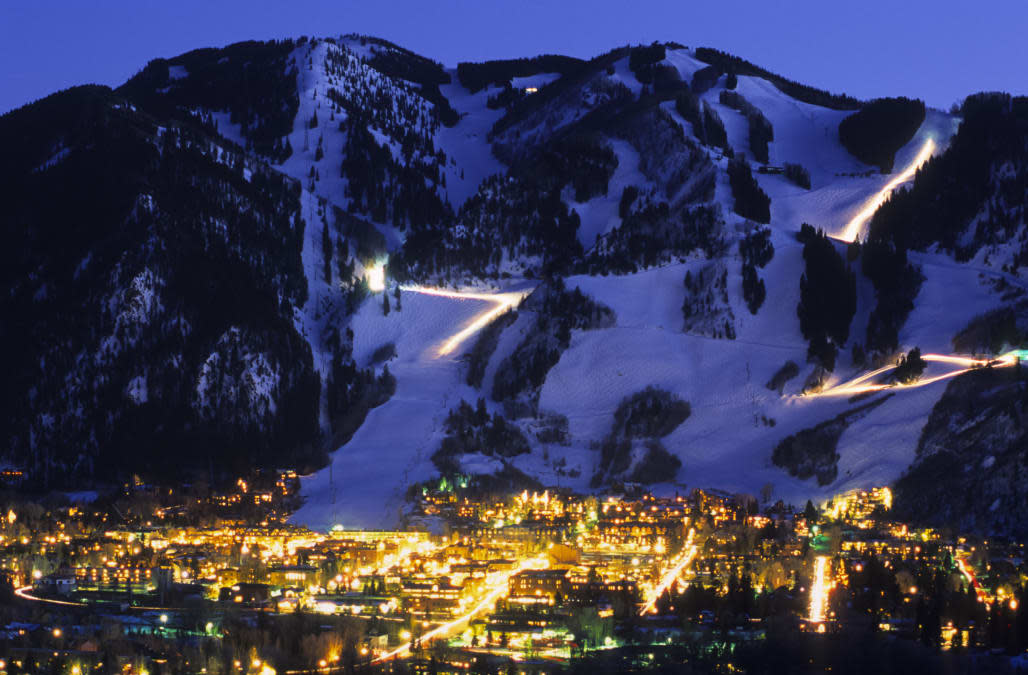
(366,482)
(866,384)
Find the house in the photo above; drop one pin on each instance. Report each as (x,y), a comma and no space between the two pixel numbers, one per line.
(59,583)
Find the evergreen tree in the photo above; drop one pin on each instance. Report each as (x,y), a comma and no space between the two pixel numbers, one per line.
(810,512)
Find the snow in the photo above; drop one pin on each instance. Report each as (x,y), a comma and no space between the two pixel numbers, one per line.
(177,72)
(366,482)
(137,390)
(54,159)
(467,142)
(469,156)
(599,215)
(256,385)
(727,442)
(683,60)
(324,305)
(836,195)
(625,76)
(82,496)
(539,80)
(233,132)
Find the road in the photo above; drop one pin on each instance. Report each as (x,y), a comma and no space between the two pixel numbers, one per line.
(497,587)
(500,302)
(819,591)
(675,570)
(854,228)
(864,384)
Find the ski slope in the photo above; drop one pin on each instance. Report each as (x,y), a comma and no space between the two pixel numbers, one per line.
(736,421)
(366,482)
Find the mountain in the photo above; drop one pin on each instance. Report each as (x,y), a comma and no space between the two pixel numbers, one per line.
(637,267)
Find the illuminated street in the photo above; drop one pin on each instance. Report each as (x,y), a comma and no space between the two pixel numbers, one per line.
(818,591)
(677,569)
(496,588)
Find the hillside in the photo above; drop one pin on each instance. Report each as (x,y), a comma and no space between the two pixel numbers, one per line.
(640,212)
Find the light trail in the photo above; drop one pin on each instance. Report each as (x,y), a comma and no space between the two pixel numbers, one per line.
(853,228)
(24,594)
(860,385)
(971,579)
(501,303)
(497,587)
(819,591)
(687,556)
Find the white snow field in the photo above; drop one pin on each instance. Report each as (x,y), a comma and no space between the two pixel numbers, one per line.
(736,421)
(366,483)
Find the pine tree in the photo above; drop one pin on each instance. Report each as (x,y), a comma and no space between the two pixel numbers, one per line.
(810,512)
(385,304)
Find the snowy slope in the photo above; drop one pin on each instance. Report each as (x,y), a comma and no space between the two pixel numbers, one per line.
(367,480)
(467,142)
(736,421)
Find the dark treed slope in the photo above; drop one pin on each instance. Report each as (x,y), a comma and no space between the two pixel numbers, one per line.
(395,61)
(828,297)
(148,325)
(878,130)
(252,81)
(964,182)
(970,472)
(972,195)
(478,76)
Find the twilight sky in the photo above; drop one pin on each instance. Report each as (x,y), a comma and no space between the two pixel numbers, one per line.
(939,50)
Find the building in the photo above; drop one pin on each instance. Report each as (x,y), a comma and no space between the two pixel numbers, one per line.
(539,586)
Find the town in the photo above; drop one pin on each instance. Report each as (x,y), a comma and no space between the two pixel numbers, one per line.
(154,582)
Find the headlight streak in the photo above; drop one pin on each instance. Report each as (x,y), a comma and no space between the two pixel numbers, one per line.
(688,554)
(818,591)
(497,587)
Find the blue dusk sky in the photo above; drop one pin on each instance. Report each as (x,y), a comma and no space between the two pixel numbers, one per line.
(938,51)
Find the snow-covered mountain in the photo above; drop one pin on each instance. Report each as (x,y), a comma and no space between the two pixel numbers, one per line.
(604,259)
